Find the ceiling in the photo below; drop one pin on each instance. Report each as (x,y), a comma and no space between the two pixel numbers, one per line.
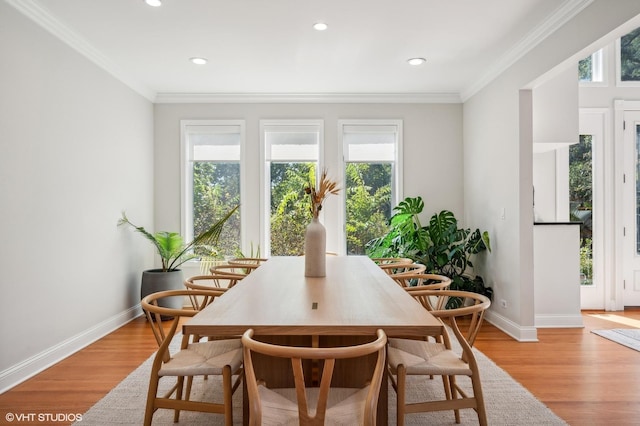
(260,47)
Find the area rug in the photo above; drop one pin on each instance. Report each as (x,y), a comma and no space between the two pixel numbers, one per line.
(629,337)
(507,402)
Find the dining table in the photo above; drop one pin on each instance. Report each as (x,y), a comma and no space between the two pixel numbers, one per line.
(347,306)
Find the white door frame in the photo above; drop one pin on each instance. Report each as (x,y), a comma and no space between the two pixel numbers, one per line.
(616,297)
(594,121)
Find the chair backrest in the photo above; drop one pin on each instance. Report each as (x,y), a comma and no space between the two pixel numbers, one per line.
(155,307)
(240,271)
(246,261)
(208,282)
(395,269)
(385,260)
(465,320)
(329,356)
(211,282)
(415,280)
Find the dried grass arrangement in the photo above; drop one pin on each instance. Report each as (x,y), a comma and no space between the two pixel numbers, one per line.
(326,187)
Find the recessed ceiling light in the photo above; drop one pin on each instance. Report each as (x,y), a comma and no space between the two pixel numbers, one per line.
(320,26)
(416,61)
(154,3)
(198,61)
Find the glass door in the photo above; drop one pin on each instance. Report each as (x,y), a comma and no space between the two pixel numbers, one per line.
(631,232)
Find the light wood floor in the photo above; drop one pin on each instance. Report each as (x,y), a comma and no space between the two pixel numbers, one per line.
(583,378)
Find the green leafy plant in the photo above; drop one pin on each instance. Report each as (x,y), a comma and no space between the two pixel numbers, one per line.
(170,245)
(441,246)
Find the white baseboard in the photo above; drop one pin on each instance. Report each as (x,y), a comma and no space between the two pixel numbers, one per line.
(559,321)
(521,334)
(22,371)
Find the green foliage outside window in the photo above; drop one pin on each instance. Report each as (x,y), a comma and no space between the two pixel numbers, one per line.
(581,201)
(290,207)
(630,56)
(368,201)
(216,189)
(585,69)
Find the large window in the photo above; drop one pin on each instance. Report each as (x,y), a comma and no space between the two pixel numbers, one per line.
(211,154)
(371,151)
(292,156)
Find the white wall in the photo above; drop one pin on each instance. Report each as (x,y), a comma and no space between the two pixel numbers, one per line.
(555,108)
(498,158)
(432,152)
(544,182)
(76,149)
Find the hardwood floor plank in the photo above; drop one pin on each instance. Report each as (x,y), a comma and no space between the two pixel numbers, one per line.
(582,377)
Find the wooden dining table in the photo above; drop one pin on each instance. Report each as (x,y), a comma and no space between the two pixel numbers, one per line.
(347,306)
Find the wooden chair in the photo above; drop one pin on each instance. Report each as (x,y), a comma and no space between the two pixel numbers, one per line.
(239,271)
(240,261)
(414,280)
(386,260)
(394,269)
(427,358)
(219,281)
(194,358)
(306,405)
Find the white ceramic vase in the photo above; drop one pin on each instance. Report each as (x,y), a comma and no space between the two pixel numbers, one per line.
(315,249)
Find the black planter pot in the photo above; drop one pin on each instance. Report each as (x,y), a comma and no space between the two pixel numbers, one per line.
(155,280)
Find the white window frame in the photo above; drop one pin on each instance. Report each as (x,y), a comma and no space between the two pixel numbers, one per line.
(397,192)
(186,176)
(265,193)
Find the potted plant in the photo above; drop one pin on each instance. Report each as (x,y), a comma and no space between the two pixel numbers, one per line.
(441,246)
(173,252)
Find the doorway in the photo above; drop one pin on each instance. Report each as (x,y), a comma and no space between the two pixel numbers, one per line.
(587,204)
(631,210)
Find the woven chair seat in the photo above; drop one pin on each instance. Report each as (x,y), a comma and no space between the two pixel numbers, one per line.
(425,358)
(204,358)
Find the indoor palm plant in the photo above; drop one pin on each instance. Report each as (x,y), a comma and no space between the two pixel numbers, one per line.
(173,252)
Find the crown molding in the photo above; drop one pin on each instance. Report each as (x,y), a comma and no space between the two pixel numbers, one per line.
(561,16)
(46,20)
(403,98)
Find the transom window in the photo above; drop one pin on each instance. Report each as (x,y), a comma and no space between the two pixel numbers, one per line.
(629,48)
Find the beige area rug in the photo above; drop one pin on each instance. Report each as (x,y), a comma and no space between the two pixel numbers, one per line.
(507,402)
(629,337)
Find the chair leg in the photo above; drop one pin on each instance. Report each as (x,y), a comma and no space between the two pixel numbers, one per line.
(179,387)
(447,386)
(400,393)
(227,395)
(479,397)
(454,395)
(189,386)
(151,398)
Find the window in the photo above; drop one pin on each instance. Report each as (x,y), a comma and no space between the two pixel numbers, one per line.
(591,70)
(581,201)
(292,157)
(372,153)
(628,59)
(211,180)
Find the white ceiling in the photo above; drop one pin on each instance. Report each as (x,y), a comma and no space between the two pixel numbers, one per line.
(258,47)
